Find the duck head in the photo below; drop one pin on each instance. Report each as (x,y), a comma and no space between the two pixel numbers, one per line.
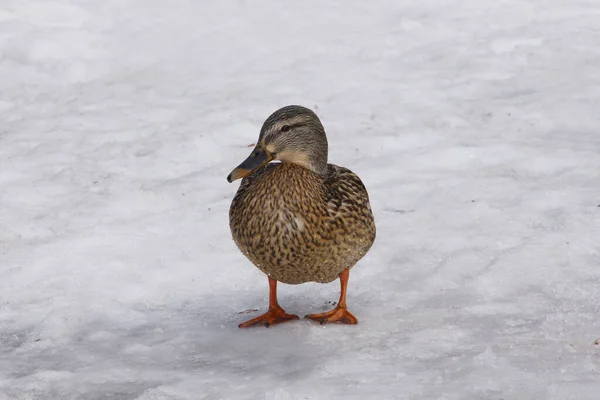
(291,134)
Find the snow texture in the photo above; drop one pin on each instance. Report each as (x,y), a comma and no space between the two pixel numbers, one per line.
(474,124)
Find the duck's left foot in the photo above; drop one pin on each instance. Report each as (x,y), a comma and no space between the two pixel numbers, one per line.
(338,314)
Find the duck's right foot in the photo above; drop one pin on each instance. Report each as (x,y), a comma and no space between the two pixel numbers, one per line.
(275,315)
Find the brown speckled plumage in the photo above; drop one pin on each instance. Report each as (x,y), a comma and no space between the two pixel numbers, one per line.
(301,223)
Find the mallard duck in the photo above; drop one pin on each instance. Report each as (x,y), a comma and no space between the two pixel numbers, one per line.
(301,219)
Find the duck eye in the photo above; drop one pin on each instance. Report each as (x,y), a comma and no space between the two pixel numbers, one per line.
(285,128)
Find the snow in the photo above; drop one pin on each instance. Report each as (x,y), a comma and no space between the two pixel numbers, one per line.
(474,125)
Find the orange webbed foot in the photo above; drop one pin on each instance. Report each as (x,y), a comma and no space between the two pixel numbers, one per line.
(338,314)
(274,316)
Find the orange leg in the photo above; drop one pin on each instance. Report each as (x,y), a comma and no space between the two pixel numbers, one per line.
(275,314)
(340,313)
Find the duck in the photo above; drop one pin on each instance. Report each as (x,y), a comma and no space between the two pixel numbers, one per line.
(296,217)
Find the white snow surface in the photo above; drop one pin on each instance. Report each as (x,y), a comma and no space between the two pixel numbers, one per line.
(475,125)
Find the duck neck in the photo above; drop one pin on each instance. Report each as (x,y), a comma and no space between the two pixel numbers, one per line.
(316,154)
(309,161)
(318,164)
(314,159)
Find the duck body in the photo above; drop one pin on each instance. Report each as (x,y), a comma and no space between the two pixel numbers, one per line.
(299,226)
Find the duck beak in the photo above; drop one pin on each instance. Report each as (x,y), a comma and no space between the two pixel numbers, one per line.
(257,159)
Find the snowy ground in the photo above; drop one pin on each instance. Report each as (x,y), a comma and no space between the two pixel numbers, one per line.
(474,124)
